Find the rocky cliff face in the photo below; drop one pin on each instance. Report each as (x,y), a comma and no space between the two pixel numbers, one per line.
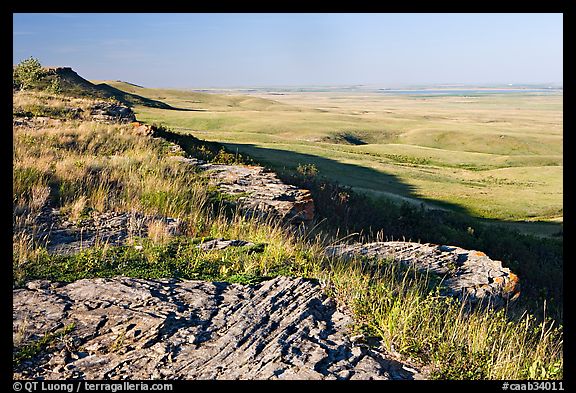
(125,328)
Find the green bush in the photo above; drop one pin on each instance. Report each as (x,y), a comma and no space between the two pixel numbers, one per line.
(307,170)
(54,86)
(27,73)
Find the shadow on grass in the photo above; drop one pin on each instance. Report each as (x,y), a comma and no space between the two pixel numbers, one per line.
(132,99)
(358,177)
(378,184)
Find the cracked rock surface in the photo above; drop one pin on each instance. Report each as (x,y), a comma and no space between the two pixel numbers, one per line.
(126,328)
(262,193)
(466,274)
(221,244)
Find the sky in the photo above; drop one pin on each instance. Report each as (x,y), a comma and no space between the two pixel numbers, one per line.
(250,50)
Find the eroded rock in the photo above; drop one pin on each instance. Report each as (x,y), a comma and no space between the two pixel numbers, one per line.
(221,244)
(111,112)
(466,274)
(126,328)
(258,192)
(261,193)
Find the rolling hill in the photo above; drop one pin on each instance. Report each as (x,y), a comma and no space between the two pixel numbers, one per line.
(72,84)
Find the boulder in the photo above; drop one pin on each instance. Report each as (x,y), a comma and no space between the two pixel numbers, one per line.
(110,112)
(142,129)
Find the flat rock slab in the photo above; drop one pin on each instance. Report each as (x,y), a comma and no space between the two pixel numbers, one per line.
(467,274)
(126,328)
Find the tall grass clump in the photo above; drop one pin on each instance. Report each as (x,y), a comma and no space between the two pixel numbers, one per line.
(91,166)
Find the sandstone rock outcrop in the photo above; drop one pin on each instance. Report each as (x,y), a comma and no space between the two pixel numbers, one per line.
(125,328)
(256,190)
(262,193)
(111,112)
(467,274)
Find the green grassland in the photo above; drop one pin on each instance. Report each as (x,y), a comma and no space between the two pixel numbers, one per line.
(490,156)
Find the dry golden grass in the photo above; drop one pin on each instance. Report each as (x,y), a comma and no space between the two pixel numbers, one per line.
(102,167)
(77,208)
(39,197)
(37,103)
(158,232)
(395,306)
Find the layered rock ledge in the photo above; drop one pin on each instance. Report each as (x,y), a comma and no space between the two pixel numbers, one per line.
(261,192)
(112,112)
(466,274)
(125,328)
(258,192)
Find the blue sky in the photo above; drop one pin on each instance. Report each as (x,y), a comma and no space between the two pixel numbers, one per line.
(234,50)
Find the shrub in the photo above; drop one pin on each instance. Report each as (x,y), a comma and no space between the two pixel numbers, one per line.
(54,86)
(308,171)
(27,73)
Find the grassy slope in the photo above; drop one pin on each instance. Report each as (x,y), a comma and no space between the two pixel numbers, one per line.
(497,157)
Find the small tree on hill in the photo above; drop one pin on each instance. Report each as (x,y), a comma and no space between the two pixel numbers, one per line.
(27,72)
